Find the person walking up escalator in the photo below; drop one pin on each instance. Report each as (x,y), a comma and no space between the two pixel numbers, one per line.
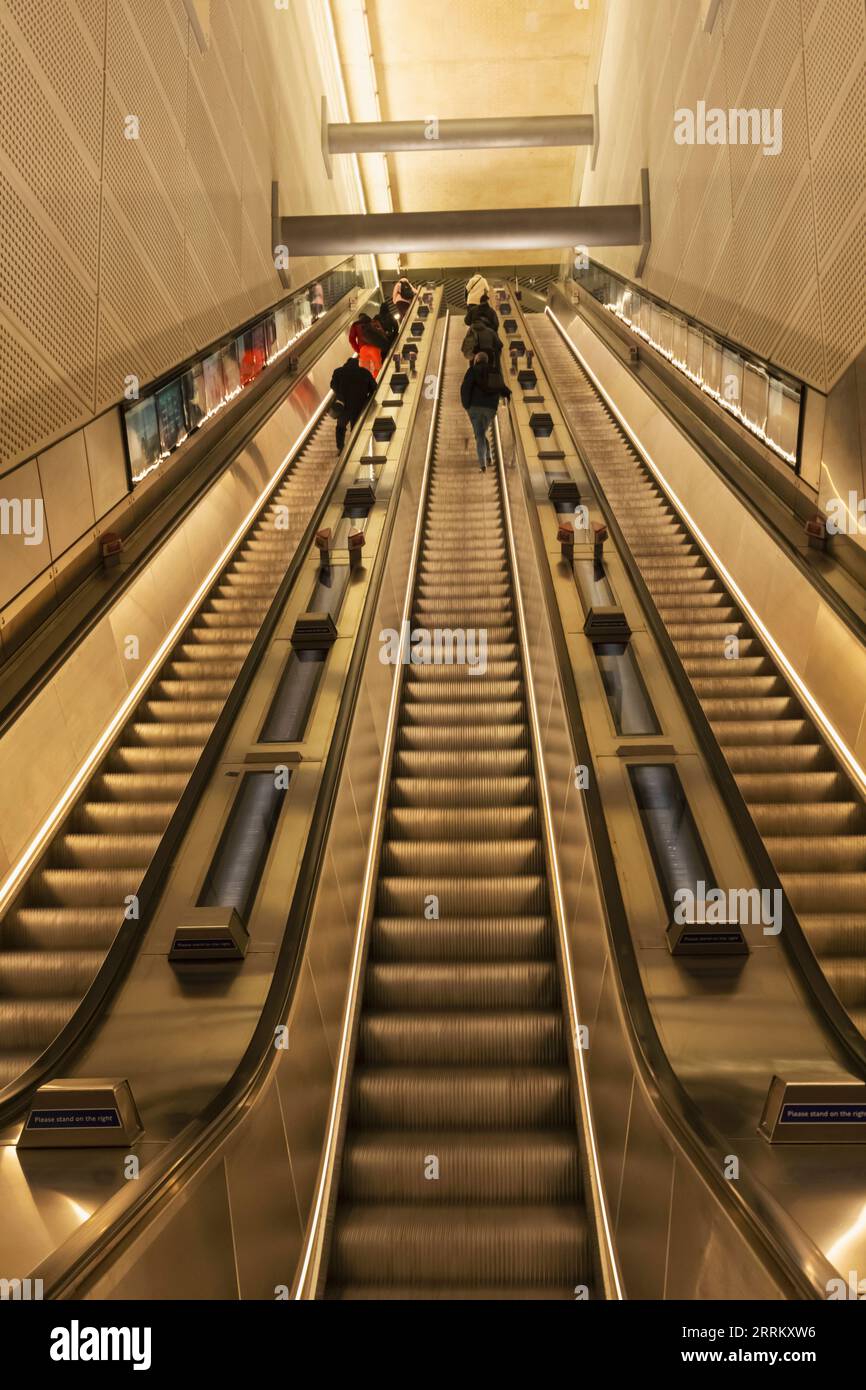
(402,295)
(369,341)
(352,386)
(481,391)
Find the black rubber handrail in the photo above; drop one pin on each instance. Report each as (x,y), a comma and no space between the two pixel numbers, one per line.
(780,1244)
(121,953)
(117,1221)
(847,1038)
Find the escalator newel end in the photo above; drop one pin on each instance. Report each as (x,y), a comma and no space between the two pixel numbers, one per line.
(209,934)
(81,1113)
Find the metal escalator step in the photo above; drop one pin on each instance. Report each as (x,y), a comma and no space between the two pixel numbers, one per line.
(462,859)
(443,791)
(495,895)
(464,1038)
(794,786)
(453,685)
(194,689)
(472,1167)
(13,1064)
(847,975)
(29,1025)
(761,707)
(462,824)
(162,734)
(448,713)
(435,738)
(140,786)
(694,628)
(429,986)
(464,763)
(817,818)
(84,887)
(181,710)
(715,648)
(762,733)
(103,851)
(124,817)
(60,928)
(450,1245)
(807,853)
(818,893)
(461,939)
(47,974)
(130,758)
(461,1293)
(798,757)
(736,685)
(836,934)
(703,668)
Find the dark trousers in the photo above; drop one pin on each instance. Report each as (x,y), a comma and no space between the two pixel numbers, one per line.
(346,422)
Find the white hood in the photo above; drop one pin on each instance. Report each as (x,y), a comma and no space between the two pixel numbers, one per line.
(476,289)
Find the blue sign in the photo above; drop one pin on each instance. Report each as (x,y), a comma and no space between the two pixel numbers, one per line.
(83,1118)
(833,1112)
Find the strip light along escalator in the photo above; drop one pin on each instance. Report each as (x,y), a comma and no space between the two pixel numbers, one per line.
(806,807)
(61,924)
(461,1066)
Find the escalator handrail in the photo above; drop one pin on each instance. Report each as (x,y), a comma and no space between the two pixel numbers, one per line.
(608,1262)
(765,1224)
(122,950)
(117,1220)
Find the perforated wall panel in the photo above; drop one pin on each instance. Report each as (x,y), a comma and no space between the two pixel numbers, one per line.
(125,255)
(768,249)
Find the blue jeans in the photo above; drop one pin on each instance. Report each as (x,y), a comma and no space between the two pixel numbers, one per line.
(482,417)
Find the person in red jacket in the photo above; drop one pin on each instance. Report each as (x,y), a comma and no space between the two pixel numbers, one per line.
(369,342)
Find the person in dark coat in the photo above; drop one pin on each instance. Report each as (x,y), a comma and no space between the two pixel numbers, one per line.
(483,311)
(481,335)
(352,386)
(480,394)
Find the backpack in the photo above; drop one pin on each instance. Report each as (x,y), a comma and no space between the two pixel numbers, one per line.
(470,344)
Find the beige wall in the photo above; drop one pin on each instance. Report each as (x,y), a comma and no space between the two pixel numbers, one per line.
(125,256)
(769,250)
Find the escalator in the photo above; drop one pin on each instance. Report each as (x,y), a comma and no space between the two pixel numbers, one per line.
(58,930)
(803,802)
(461,1171)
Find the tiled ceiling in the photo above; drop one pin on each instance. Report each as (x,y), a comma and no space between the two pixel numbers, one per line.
(482,58)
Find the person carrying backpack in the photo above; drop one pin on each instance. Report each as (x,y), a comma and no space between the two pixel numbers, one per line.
(481,337)
(481,390)
(369,341)
(352,386)
(384,319)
